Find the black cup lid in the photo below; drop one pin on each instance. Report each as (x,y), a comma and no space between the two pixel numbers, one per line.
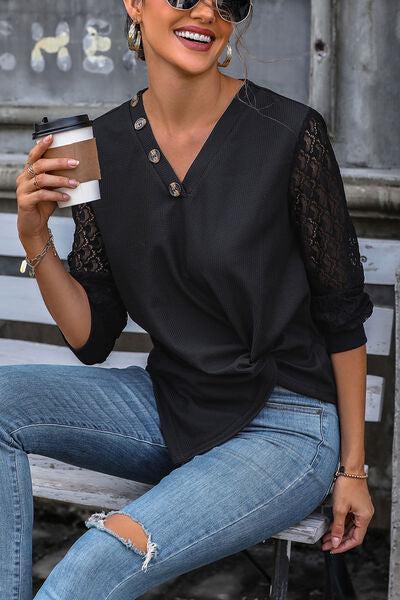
(45,126)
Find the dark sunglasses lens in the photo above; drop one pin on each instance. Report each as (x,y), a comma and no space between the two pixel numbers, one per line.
(234,10)
(184,4)
(231,10)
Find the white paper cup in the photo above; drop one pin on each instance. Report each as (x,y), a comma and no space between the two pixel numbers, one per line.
(67,131)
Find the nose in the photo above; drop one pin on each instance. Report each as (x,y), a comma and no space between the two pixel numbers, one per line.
(206,7)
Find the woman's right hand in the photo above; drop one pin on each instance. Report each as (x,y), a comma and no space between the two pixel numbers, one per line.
(36,206)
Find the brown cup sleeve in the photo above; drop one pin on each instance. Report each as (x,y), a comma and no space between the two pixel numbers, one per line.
(86,152)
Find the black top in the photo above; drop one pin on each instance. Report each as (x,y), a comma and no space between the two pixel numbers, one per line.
(246,274)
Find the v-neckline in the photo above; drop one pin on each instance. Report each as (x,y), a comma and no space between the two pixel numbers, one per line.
(145,134)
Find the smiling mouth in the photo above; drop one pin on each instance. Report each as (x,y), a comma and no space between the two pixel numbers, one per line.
(191,42)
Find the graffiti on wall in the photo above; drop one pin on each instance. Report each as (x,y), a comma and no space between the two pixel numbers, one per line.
(96,42)
(7,60)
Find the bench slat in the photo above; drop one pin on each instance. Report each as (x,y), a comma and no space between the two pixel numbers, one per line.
(56,480)
(380,257)
(19,352)
(21,300)
(10,245)
(378,329)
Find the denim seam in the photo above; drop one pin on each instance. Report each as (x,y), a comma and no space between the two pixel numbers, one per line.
(84,428)
(301,407)
(322,440)
(214,532)
(18,520)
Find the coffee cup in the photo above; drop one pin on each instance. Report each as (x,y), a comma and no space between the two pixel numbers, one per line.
(73,138)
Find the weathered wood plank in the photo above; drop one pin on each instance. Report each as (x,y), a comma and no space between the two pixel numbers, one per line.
(374,398)
(10,245)
(380,258)
(21,300)
(57,480)
(378,329)
(19,352)
(308,531)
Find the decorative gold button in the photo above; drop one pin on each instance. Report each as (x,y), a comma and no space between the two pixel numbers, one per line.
(174,188)
(140,122)
(135,100)
(154,155)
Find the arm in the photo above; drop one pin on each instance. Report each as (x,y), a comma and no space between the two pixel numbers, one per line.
(105,314)
(84,303)
(339,303)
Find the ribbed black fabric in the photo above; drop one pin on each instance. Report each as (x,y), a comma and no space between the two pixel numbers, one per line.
(249,278)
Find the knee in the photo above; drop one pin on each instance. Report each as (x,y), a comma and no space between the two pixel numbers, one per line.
(129,531)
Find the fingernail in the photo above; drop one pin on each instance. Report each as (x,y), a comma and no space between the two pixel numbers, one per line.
(73,182)
(72,162)
(66,196)
(335,542)
(48,138)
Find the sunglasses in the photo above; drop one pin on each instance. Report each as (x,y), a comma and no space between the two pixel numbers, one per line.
(233,11)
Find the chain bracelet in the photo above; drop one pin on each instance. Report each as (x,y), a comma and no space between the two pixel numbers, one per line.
(33,263)
(342,471)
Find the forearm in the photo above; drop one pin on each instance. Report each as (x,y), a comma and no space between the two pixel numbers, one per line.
(65,299)
(350,369)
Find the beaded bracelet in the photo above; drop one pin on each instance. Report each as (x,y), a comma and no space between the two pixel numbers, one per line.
(33,263)
(342,471)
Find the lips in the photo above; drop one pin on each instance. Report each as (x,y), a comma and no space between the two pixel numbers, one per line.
(193,44)
(199,30)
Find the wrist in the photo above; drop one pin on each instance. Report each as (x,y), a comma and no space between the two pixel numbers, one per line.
(34,244)
(353,466)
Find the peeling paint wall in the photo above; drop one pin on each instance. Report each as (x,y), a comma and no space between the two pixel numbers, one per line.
(69,49)
(368,83)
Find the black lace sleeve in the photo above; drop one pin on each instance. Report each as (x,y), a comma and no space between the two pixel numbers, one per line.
(328,240)
(88,264)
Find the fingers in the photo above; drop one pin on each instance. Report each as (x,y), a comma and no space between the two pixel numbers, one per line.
(43,194)
(39,149)
(353,534)
(45,180)
(51,164)
(354,538)
(42,165)
(338,525)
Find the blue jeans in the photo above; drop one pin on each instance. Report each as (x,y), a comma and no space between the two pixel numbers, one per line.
(269,476)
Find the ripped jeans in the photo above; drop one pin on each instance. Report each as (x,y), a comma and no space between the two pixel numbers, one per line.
(269,476)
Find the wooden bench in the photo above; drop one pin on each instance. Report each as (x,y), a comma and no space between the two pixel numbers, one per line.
(21,302)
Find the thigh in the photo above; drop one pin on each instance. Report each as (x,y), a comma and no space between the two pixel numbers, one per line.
(266,478)
(97,418)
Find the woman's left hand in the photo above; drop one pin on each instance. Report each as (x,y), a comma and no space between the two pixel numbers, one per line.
(352,512)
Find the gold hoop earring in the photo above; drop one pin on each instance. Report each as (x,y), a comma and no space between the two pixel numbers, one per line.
(228,56)
(134,37)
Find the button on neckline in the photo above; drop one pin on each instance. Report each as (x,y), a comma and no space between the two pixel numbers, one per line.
(229,119)
(140,123)
(175,188)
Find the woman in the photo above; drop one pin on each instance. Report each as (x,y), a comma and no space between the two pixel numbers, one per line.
(223,231)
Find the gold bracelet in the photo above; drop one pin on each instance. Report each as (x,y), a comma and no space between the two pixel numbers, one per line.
(342,471)
(33,263)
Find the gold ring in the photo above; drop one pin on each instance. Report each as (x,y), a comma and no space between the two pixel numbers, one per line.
(37,186)
(31,170)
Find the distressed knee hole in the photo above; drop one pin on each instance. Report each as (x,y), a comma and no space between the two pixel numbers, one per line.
(128,529)
(130,532)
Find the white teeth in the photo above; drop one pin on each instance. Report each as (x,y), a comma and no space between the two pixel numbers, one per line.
(193,36)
